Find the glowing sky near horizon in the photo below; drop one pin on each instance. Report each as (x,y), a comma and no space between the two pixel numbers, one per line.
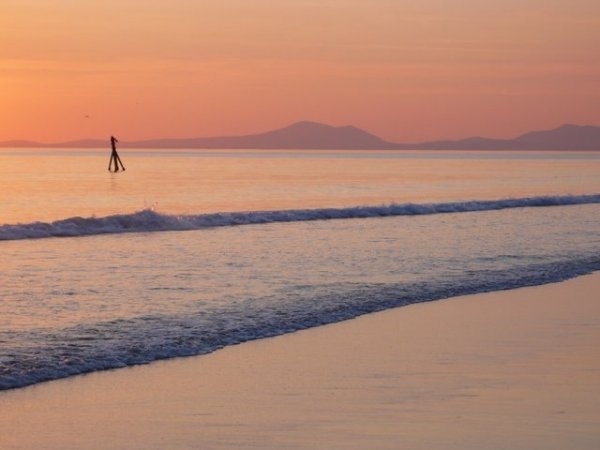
(406,70)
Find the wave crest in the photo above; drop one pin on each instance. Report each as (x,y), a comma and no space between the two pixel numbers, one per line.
(148,220)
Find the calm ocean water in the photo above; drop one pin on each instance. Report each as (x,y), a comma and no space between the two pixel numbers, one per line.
(190,251)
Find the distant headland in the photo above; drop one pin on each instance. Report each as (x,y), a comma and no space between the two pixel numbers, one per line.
(313,135)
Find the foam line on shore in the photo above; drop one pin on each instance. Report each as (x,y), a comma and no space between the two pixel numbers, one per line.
(140,340)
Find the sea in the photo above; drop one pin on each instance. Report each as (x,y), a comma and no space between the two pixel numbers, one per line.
(190,251)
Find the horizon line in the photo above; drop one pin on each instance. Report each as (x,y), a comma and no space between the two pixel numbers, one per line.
(57,144)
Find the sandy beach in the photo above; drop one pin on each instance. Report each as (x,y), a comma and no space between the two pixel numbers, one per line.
(507,370)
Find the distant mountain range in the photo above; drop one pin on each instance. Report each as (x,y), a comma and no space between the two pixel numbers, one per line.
(312,135)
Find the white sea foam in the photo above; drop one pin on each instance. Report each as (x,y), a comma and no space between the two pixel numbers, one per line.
(149,220)
(52,354)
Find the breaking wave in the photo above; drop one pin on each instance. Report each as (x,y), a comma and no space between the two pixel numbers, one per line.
(53,354)
(149,220)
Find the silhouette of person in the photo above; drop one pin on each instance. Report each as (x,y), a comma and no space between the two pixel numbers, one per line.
(114,156)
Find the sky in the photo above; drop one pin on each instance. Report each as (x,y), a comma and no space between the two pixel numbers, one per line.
(406,70)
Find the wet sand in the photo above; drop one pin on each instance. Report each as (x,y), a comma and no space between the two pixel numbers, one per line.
(508,370)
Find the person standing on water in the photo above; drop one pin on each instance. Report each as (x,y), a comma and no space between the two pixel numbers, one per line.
(114,156)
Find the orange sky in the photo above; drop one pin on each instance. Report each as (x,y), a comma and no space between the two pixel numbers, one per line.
(406,70)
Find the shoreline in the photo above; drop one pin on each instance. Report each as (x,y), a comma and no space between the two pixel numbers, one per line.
(508,369)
